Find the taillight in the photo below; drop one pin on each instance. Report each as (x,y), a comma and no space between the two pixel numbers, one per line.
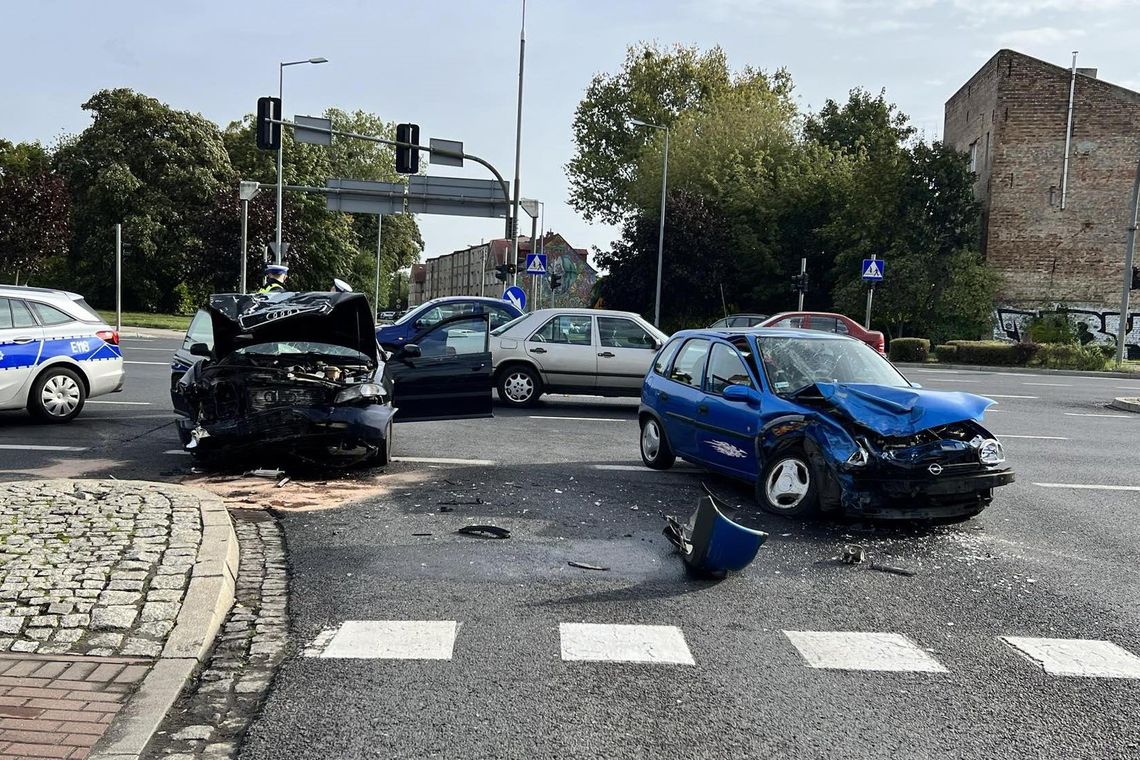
(881,345)
(108,336)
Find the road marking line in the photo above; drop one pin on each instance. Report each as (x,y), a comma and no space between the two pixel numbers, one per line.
(156,364)
(176,451)
(29,447)
(147,348)
(1006,395)
(1035,437)
(1128,387)
(1111,416)
(950,380)
(1084,658)
(1052,385)
(391,640)
(850,650)
(444,460)
(939,371)
(122,403)
(595,642)
(1088,487)
(640,468)
(580,419)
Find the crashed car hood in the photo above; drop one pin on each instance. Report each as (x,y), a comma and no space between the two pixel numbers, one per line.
(341,319)
(902,411)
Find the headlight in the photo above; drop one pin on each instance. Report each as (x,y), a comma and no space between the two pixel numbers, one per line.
(859,458)
(359,393)
(991,452)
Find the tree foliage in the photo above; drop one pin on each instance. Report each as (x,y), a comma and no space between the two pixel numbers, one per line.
(35,212)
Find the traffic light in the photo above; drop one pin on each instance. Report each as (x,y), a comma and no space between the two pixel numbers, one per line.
(555,281)
(408,159)
(268,133)
(501,272)
(1135,278)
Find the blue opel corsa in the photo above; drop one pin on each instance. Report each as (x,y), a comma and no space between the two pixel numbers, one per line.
(818,423)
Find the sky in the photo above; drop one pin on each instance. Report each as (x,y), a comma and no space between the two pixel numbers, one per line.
(451,66)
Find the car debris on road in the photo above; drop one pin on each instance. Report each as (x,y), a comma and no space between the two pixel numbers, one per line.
(710,543)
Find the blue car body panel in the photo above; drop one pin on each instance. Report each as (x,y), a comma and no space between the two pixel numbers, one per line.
(735,438)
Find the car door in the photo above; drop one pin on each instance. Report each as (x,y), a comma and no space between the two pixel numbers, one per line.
(201,330)
(679,399)
(625,351)
(21,343)
(447,375)
(726,430)
(566,352)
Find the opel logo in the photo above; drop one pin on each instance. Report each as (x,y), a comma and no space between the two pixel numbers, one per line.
(935,469)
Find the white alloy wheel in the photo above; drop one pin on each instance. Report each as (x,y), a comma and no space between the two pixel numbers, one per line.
(787,483)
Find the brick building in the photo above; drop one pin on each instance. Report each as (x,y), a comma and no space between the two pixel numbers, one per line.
(471,272)
(1011,119)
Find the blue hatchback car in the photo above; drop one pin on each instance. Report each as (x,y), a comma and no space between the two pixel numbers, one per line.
(431,313)
(818,423)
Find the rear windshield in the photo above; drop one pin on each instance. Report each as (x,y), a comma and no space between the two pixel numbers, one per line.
(89,314)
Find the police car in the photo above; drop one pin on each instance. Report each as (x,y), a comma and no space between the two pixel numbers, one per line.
(55,353)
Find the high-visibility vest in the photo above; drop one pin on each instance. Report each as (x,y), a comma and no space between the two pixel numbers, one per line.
(272,287)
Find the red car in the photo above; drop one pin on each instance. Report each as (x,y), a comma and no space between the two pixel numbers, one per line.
(827,322)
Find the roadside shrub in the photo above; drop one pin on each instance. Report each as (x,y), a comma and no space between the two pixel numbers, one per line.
(995,353)
(1068,356)
(909,350)
(1051,328)
(947,353)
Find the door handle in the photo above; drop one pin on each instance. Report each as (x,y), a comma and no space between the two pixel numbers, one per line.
(22,341)
(538,350)
(476,369)
(703,408)
(607,354)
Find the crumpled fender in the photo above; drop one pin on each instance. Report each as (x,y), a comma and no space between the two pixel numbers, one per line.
(826,444)
(902,411)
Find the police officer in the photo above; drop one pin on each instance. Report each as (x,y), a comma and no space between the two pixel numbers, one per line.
(275,275)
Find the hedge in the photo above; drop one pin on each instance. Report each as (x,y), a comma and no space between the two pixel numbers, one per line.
(946,353)
(995,353)
(909,350)
(1068,356)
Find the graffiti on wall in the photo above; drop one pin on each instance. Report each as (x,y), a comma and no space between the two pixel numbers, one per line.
(1092,325)
(578,277)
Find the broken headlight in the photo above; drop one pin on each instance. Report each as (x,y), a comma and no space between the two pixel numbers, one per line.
(991,452)
(361,392)
(859,458)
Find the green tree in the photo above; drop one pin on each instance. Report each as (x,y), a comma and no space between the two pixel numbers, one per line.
(155,170)
(35,212)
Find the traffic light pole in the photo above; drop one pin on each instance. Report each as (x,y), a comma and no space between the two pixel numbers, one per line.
(803,271)
(1129,251)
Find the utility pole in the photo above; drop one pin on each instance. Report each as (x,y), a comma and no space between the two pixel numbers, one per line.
(518,149)
(376,291)
(870,295)
(803,282)
(247,191)
(118,278)
(1129,250)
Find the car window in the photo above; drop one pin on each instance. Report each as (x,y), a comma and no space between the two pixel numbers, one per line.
(5,314)
(841,327)
(49,315)
(725,368)
(796,364)
(21,315)
(93,316)
(827,324)
(719,323)
(499,316)
(616,332)
(573,329)
(201,331)
(753,321)
(463,336)
(795,322)
(503,328)
(665,356)
(689,367)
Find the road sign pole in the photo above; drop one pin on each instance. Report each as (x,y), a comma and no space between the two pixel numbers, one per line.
(870,296)
(518,147)
(1129,251)
(379,237)
(803,270)
(244,243)
(118,278)
(534,249)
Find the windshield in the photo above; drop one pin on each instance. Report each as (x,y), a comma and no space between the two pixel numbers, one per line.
(297,347)
(503,328)
(795,364)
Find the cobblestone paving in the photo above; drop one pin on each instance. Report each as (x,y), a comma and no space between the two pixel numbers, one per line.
(88,568)
(213,713)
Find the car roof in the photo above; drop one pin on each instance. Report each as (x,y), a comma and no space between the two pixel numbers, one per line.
(588,312)
(761,332)
(19,291)
(811,313)
(449,299)
(744,314)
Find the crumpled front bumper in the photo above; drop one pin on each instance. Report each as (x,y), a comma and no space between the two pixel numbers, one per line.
(912,496)
(298,428)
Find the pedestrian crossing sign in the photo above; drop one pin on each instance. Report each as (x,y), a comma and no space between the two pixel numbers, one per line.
(536,263)
(873,269)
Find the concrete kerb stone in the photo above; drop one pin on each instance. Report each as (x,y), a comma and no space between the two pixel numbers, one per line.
(209,596)
(150,332)
(1126,404)
(1121,375)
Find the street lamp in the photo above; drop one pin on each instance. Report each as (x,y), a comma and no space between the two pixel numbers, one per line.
(280,94)
(247,191)
(661,230)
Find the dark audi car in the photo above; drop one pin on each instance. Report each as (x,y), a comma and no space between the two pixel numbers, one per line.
(302,372)
(818,422)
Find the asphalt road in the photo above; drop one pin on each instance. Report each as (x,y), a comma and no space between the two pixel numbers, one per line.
(1053,557)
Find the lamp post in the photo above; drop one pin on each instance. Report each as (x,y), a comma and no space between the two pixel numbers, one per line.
(280,94)
(661,229)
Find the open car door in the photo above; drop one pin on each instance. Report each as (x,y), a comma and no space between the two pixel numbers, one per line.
(444,372)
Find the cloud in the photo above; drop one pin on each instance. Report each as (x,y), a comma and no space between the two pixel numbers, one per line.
(1029,38)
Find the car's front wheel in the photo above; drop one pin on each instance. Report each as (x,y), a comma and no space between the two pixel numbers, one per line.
(57,396)
(787,485)
(656,452)
(519,386)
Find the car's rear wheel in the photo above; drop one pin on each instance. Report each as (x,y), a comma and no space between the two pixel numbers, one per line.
(519,386)
(57,396)
(787,485)
(655,449)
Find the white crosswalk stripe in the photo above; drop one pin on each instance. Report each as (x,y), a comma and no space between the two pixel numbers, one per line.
(624,643)
(1087,658)
(390,640)
(852,650)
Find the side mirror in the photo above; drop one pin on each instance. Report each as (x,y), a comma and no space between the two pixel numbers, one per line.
(657,344)
(742,393)
(915,385)
(409,351)
(200,349)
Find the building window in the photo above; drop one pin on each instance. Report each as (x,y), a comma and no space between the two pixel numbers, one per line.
(987,156)
(974,155)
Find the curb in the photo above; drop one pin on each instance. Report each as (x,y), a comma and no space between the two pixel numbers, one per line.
(208,599)
(1126,404)
(1021,370)
(150,332)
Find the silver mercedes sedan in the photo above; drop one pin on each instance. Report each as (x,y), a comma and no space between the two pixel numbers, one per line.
(580,351)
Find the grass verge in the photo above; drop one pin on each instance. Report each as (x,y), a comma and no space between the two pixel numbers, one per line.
(143,319)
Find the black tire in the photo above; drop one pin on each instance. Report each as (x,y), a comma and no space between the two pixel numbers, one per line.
(788,485)
(519,386)
(383,454)
(661,456)
(57,396)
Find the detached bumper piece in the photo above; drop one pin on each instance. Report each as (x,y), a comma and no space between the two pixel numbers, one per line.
(944,496)
(710,543)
